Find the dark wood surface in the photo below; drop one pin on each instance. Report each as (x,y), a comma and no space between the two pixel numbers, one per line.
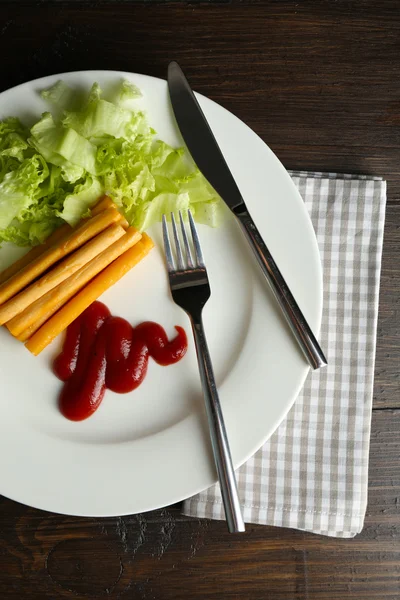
(320,82)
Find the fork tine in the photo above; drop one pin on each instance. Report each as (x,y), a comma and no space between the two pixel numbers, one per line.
(196,242)
(167,246)
(186,242)
(179,254)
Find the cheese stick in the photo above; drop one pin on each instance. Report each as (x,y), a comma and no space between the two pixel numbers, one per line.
(104,203)
(57,235)
(30,256)
(26,323)
(70,311)
(72,241)
(60,272)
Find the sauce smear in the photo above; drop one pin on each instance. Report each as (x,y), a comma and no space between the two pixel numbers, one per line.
(101,351)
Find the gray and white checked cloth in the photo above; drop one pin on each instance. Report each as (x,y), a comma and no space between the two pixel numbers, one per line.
(312,474)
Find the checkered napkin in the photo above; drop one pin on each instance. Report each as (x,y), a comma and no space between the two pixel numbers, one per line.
(312,474)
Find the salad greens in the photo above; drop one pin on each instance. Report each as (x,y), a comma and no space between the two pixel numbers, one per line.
(55,171)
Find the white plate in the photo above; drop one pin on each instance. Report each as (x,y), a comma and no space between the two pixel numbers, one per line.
(151,448)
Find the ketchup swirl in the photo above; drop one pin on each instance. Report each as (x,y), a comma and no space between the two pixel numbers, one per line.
(101,351)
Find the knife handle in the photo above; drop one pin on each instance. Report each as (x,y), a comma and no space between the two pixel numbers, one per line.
(295,318)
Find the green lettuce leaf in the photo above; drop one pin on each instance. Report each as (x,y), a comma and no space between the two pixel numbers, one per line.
(63,146)
(21,187)
(13,145)
(100,117)
(80,200)
(61,95)
(125,93)
(15,235)
(151,212)
(54,172)
(209,213)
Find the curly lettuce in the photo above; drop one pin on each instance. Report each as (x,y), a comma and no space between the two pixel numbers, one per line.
(54,172)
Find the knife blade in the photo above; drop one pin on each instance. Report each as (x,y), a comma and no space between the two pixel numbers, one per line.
(199,138)
(207,155)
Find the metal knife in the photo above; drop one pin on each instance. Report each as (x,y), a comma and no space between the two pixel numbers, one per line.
(207,155)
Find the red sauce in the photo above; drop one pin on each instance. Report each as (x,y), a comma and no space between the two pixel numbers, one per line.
(101,351)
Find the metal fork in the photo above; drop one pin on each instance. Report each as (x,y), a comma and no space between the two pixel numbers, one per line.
(190,290)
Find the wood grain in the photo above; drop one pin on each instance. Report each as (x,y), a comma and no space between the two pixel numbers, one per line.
(306,74)
(318,81)
(387,366)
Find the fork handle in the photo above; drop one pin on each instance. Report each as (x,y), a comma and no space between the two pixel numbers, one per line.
(295,318)
(219,439)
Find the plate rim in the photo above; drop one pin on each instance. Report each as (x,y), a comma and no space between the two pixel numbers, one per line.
(312,238)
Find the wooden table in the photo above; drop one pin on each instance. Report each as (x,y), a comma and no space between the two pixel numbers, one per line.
(319,82)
